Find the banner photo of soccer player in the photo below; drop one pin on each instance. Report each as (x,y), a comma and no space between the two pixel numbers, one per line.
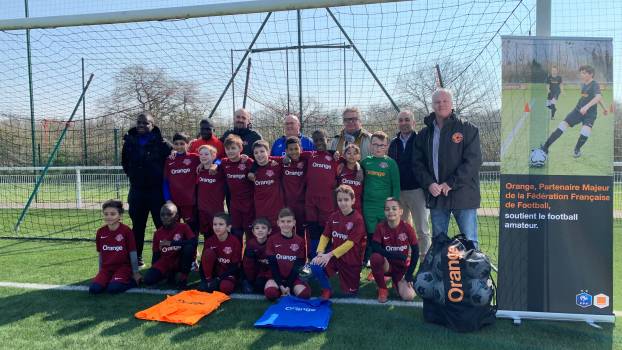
(556,196)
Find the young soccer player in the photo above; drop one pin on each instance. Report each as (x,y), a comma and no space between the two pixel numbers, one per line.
(267,179)
(584,112)
(255,260)
(210,190)
(286,255)
(179,175)
(321,179)
(391,242)
(382,180)
(555,89)
(220,261)
(118,262)
(242,210)
(294,186)
(174,250)
(349,174)
(345,232)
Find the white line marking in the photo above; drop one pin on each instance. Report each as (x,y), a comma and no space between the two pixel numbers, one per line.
(508,141)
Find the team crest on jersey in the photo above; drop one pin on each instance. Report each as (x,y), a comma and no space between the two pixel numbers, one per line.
(242,166)
(349,226)
(119,237)
(383,165)
(294,247)
(227,250)
(402,237)
(177,237)
(328,158)
(187,161)
(300,165)
(457,137)
(269,173)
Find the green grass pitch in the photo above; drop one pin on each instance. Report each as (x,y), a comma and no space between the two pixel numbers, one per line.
(528,131)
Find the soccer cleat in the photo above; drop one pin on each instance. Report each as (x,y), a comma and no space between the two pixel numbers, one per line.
(383,295)
(305,272)
(326,294)
(576,153)
(141,263)
(194,267)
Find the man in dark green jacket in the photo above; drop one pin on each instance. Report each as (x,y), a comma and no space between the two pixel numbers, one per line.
(446,160)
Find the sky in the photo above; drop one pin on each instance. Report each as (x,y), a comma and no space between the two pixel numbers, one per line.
(395,39)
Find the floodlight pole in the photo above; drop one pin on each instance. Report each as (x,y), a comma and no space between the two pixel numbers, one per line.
(358,53)
(52,156)
(543,17)
(300,71)
(237,69)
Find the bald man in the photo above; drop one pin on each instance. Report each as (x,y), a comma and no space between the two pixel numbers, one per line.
(446,161)
(242,128)
(291,127)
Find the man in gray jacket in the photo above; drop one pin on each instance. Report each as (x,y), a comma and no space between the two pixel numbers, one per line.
(352,132)
(446,160)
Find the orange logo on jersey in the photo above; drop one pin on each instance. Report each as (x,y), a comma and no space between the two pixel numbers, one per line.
(457,137)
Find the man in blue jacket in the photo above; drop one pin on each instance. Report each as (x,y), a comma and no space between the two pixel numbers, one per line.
(291,128)
(143,155)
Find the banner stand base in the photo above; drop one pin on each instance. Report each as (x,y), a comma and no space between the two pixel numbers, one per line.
(590,319)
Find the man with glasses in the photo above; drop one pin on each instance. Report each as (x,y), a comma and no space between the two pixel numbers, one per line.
(206,131)
(291,128)
(352,132)
(446,160)
(242,128)
(143,155)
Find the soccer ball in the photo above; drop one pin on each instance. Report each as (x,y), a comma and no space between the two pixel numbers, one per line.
(537,158)
(477,265)
(424,285)
(479,292)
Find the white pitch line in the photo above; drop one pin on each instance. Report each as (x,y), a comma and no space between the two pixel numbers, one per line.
(74,288)
(508,141)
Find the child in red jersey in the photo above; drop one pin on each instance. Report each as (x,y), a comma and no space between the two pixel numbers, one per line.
(345,231)
(174,250)
(266,176)
(179,175)
(286,255)
(220,261)
(240,188)
(210,190)
(294,181)
(255,260)
(321,179)
(390,244)
(351,174)
(118,262)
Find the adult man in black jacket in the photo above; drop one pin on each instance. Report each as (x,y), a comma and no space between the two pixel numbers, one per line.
(143,156)
(241,127)
(446,160)
(411,194)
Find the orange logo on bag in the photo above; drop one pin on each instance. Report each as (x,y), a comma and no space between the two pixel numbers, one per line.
(457,137)
(455,293)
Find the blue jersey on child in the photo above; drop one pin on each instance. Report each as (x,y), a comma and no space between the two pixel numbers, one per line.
(296,314)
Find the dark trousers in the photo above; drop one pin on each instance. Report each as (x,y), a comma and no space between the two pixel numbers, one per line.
(142,201)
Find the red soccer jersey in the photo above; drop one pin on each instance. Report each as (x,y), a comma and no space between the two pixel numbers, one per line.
(115,246)
(348,177)
(181,174)
(321,172)
(240,187)
(228,252)
(286,251)
(268,194)
(395,240)
(261,258)
(211,191)
(178,232)
(193,146)
(341,228)
(294,182)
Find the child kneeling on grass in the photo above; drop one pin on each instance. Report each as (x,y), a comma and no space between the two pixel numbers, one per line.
(390,244)
(255,260)
(286,255)
(118,262)
(345,231)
